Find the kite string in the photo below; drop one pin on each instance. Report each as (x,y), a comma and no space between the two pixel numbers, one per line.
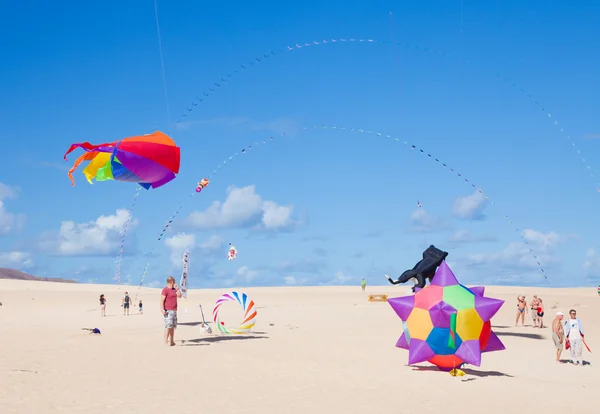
(162,65)
(227,161)
(124,234)
(314,43)
(396,53)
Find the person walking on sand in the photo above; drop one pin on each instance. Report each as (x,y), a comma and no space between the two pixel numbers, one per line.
(521,309)
(125,303)
(558,334)
(141,308)
(533,307)
(363,284)
(102,305)
(574,334)
(168,307)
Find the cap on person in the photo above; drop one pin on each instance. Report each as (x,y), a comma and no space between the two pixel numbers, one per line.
(560,314)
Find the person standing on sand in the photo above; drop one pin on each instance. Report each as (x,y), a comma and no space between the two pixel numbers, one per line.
(102,305)
(141,308)
(125,303)
(558,334)
(168,307)
(540,313)
(574,334)
(363,284)
(533,307)
(521,309)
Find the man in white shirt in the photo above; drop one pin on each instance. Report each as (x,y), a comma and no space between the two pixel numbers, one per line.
(574,334)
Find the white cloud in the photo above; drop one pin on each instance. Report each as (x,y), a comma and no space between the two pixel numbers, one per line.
(213,243)
(7,192)
(591,265)
(463,236)
(470,207)
(9,222)
(545,240)
(243,207)
(246,274)
(186,242)
(16,260)
(179,244)
(423,222)
(276,216)
(340,278)
(519,255)
(99,237)
(293,281)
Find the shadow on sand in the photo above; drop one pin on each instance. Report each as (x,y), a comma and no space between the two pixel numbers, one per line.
(468,371)
(521,335)
(219,338)
(191,323)
(568,361)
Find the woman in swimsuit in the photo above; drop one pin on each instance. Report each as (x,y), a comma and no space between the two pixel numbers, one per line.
(540,313)
(521,309)
(102,305)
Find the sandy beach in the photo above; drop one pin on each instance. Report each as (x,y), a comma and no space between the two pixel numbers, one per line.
(313,350)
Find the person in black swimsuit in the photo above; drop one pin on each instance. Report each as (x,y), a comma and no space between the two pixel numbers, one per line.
(102,305)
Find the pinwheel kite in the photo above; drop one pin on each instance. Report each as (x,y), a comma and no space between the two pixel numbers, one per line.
(446,323)
(150,160)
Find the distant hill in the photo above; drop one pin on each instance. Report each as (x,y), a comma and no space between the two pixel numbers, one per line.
(18,275)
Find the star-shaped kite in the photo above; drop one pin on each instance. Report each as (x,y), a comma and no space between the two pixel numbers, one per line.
(447,323)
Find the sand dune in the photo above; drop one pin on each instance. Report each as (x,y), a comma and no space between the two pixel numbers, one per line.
(313,350)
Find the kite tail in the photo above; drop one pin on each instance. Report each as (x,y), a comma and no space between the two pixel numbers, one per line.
(86,146)
(88,156)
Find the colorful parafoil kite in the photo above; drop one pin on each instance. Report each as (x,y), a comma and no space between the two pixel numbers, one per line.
(447,323)
(150,160)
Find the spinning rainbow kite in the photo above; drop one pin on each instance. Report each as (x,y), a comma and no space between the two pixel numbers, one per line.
(447,323)
(249,313)
(150,160)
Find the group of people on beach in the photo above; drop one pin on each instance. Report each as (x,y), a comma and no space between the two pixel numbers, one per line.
(168,307)
(570,331)
(126,302)
(536,306)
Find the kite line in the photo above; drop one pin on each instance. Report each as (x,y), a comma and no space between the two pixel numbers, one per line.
(162,65)
(227,161)
(167,107)
(124,234)
(298,46)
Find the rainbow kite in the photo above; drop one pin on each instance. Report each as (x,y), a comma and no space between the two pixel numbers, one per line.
(150,160)
(446,323)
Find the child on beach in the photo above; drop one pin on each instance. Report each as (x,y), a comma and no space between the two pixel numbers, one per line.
(521,309)
(141,309)
(102,305)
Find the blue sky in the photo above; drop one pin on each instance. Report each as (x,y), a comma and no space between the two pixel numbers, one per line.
(323,205)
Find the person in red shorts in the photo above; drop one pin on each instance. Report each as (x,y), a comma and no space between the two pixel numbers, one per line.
(168,307)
